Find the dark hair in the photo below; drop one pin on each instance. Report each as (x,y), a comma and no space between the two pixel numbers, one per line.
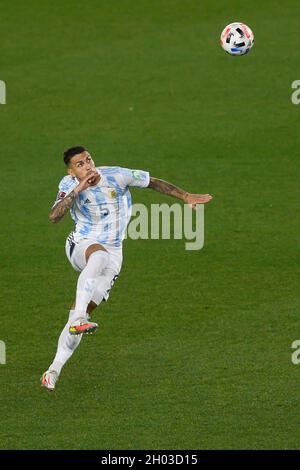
(68,154)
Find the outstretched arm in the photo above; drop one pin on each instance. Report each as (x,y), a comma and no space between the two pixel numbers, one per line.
(168,188)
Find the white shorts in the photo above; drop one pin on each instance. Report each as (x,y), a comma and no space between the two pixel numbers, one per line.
(75,252)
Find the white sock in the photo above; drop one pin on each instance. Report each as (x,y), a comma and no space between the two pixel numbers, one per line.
(103,286)
(66,345)
(87,281)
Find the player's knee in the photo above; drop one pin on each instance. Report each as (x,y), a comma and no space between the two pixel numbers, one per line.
(100,258)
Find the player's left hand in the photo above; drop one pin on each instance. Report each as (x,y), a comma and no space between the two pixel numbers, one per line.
(194,199)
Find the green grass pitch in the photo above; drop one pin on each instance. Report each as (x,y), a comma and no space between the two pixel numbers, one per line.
(194,349)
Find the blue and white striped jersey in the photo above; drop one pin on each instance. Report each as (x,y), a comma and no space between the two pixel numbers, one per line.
(102,212)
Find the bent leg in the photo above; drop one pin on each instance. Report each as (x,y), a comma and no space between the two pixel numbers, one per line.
(106,280)
(97,260)
(86,259)
(104,285)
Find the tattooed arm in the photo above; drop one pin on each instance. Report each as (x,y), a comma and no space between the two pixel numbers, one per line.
(168,188)
(62,207)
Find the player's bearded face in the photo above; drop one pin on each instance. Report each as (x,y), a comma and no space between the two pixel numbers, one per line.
(80,165)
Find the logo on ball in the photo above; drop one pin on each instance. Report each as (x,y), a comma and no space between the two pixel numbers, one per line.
(237,39)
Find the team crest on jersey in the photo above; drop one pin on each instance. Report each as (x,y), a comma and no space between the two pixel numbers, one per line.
(113,193)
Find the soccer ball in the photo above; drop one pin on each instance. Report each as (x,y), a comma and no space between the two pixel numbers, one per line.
(237,39)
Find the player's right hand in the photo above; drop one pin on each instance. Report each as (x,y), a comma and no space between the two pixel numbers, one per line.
(89,180)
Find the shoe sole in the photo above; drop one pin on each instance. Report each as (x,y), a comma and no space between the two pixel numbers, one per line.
(47,388)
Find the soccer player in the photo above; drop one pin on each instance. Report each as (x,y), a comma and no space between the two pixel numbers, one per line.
(99,201)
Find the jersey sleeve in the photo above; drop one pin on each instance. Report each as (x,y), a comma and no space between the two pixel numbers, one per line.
(137,178)
(66,185)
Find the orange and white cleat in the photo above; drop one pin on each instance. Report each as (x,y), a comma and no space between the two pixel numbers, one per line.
(83,327)
(49,379)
